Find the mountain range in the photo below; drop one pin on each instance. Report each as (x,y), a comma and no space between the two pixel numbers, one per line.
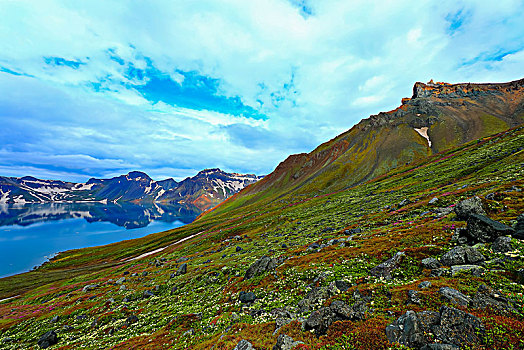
(204,190)
(405,232)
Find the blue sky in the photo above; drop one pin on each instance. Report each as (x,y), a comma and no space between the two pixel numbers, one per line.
(100,88)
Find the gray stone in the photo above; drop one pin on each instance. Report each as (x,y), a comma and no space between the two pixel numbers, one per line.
(487,298)
(502,245)
(321,319)
(474,270)
(182,269)
(387,267)
(424,284)
(246,297)
(462,255)
(454,296)
(482,229)
(413,297)
(89,287)
(121,280)
(48,339)
(433,200)
(262,265)
(244,345)
(519,227)
(431,263)
(469,206)
(285,342)
(282,317)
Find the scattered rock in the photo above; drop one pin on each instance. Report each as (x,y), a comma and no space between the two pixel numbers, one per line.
(244,345)
(462,255)
(262,265)
(519,227)
(89,287)
(502,245)
(48,339)
(238,249)
(121,280)
(321,319)
(131,319)
(246,297)
(482,229)
(55,319)
(148,294)
(285,342)
(182,270)
(441,271)
(388,266)
(342,285)
(424,284)
(474,270)
(468,207)
(182,259)
(413,297)
(450,327)
(433,200)
(282,317)
(489,298)
(431,263)
(315,297)
(454,296)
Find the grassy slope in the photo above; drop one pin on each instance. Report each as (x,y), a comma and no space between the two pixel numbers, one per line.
(210,288)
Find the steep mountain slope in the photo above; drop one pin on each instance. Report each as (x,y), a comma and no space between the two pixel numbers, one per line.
(208,188)
(438,116)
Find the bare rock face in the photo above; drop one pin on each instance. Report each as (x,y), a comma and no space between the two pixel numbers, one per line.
(244,345)
(321,319)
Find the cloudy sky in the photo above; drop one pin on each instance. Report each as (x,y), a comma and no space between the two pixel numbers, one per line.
(99,88)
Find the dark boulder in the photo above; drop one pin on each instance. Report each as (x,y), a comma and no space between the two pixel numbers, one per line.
(482,229)
(285,342)
(454,296)
(246,297)
(387,267)
(468,207)
(244,345)
(131,319)
(413,297)
(462,255)
(262,265)
(519,227)
(48,339)
(502,245)
(321,319)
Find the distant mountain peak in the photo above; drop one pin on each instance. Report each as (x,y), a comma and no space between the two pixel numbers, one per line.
(138,175)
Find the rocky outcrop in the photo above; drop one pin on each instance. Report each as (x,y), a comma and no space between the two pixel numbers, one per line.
(469,206)
(244,345)
(450,327)
(462,255)
(482,229)
(48,339)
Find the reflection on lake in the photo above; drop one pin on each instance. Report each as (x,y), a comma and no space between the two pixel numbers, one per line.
(31,233)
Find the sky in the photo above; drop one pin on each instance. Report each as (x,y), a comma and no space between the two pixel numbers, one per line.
(100,88)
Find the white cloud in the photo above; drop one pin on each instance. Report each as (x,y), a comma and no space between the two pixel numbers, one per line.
(347,60)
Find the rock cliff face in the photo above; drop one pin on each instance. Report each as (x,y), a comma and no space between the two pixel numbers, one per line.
(438,116)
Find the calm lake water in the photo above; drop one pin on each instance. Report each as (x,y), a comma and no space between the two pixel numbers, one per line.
(32,233)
